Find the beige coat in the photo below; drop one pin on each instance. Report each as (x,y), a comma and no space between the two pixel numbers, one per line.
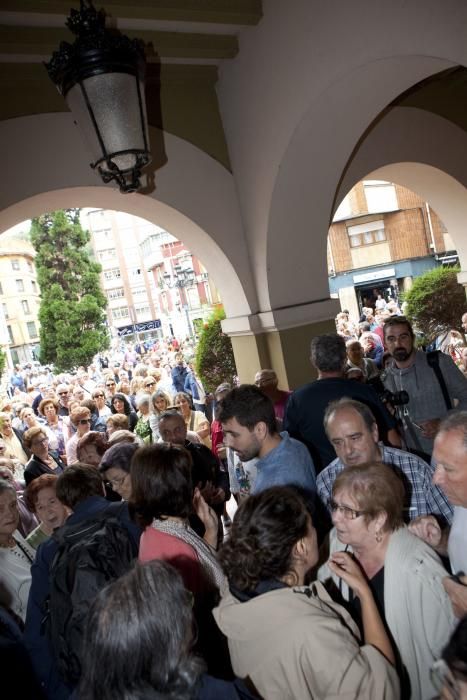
(297,644)
(416,606)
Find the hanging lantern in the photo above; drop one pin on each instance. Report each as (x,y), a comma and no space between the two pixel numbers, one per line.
(101,76)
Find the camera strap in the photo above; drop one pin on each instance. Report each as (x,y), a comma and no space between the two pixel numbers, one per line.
(433,360)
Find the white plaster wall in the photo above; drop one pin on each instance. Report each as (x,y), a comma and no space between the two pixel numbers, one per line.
(307,83)
(424,153)
(195,197)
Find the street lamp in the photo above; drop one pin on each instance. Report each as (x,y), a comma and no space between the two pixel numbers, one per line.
(182,278)
(101,76)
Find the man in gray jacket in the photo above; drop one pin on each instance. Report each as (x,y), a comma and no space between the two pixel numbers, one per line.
(432,381)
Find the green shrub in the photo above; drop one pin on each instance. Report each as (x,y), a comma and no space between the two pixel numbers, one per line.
(215,362)
(436,302)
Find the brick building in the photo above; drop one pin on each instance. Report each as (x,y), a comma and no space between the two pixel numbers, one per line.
(382,236)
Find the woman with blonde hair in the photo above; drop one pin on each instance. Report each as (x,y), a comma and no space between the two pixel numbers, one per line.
(160,401)
(196,421)
(81,418)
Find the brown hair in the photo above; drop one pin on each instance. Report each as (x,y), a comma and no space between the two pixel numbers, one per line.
(44,481)
(78,482)
(376,488)
(161,482)
(119,421)
(31,434)
(45,402)
(79,413)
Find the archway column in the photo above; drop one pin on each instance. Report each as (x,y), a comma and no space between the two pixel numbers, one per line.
(280,340)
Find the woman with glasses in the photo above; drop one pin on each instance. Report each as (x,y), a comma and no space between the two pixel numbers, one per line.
(290,639)
(404,574)
(115,468)
(80,417)
(98,396)
(42,460)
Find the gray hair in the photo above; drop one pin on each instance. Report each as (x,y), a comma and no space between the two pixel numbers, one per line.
(6,486)
(141,399)
(328,352)
(457,420)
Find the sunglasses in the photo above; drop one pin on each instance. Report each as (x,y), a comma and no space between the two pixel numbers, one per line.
(63,393)
(150,384)
(110,384)
(98,396)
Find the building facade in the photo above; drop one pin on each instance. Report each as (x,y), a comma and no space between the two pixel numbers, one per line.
(19,299)
(382,236)
(154,285)
(185,292)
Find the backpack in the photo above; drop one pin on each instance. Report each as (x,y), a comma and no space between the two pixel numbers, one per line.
(90,554)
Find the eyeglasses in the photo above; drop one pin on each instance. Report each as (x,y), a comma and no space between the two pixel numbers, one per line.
(63,393)
(98,396)
(110,384)
(442,678)
(40,441)
(347,512)
(116,483)
(83,421)
(150,384)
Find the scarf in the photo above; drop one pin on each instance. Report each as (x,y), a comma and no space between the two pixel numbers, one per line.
(206,554)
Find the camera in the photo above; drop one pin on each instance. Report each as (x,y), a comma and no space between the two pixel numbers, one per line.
(395,398)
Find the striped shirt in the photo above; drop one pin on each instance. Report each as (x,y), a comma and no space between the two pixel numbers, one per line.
(422,496)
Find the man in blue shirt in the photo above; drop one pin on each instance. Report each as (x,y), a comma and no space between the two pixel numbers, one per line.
(250,429)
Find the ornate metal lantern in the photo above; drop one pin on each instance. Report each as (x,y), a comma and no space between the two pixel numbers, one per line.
(101,76)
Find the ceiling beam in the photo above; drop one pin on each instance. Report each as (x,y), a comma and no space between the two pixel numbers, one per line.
(239,12)
(42,41)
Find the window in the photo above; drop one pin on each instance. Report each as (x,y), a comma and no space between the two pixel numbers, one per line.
(380,196)
(19,286)
(1,288)
(366,234)
(112,274)
(138,293)
(116,293)
(121,312)
(5,310)
(142,310)
(30,267)
(107,254)
(134,272)
(10,335)
(32,329)
(25,306)
(15,264)
(34,287)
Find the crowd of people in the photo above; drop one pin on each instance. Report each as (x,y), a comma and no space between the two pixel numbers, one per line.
(341,575)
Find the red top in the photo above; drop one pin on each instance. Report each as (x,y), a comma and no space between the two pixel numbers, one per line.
(159,545)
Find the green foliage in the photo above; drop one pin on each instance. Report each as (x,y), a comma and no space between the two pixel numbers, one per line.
(72,304)
(215,361)
(436,302)
(2,362)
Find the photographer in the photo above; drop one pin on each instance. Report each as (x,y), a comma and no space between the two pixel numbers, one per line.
(432,382)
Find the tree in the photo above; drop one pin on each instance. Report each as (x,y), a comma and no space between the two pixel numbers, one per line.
(215,362)
(72,304)
(436,302)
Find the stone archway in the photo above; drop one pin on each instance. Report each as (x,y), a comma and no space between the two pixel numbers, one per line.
(195,199)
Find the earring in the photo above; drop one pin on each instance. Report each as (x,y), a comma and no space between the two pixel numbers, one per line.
(378,536)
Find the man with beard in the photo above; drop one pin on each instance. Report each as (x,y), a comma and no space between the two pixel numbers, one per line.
(250,429)
(432,381)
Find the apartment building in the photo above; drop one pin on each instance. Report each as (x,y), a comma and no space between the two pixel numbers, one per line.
(382,236)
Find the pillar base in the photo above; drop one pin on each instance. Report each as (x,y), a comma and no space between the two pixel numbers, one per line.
(279,346)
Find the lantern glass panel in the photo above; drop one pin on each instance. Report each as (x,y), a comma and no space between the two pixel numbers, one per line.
(114,102)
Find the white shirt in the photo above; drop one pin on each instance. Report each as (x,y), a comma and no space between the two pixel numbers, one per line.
(457,543)
(15,575)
